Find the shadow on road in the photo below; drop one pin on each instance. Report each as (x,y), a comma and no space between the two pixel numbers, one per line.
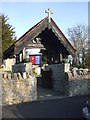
(53,108)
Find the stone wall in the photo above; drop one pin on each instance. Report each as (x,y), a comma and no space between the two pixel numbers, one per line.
(8,64)
(66,67)
(16,89)
(22,67)
(67,84)
(59,78)
(79,87)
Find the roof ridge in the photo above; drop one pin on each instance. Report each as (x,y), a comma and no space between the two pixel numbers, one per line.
(62,33)
(31,29)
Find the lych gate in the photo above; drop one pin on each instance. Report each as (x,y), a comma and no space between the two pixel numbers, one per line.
(44,39)
(45,36)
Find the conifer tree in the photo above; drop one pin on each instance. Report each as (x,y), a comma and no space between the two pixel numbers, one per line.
(8,33)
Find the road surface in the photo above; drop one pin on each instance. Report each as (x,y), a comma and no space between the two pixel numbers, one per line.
(70,107)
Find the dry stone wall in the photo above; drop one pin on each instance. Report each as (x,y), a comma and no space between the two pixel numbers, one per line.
(79,87)
(16,89)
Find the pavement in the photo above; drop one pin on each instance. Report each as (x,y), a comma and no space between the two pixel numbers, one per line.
(46,94)
(48,105)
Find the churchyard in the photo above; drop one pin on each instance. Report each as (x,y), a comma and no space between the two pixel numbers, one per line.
(18,88)
(38,58)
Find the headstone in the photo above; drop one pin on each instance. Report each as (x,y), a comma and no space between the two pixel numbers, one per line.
(74,70)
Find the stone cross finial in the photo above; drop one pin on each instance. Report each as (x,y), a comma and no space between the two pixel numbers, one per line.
(49,13)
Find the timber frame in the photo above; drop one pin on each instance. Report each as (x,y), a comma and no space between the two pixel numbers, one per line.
(35,31)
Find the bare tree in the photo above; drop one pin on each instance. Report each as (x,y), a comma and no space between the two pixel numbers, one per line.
(78,35)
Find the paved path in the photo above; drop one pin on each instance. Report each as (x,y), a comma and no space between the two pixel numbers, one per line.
(46,94)
(48,106)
